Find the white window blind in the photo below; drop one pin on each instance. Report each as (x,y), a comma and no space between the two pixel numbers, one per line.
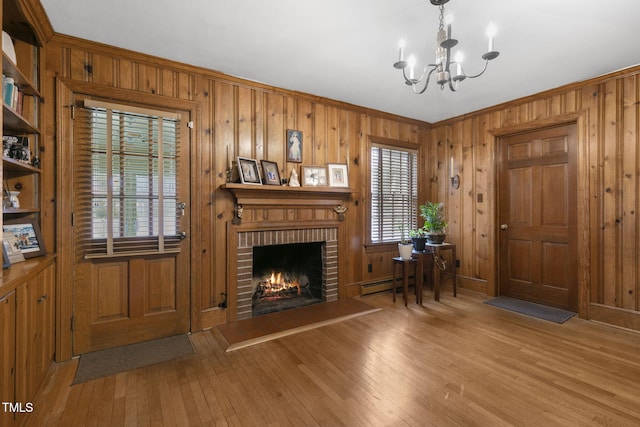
(126,165)
(394,192)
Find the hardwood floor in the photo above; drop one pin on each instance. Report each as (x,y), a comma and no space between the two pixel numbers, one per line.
(454,363)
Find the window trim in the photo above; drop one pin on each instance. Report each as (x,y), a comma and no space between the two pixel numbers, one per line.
(371,247)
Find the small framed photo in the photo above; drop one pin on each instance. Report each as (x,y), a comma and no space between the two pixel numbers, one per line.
(314,176)
(6,262)
(270,173)
(28,238)
(338,175)
(294,146)
(10,250)
(248,169)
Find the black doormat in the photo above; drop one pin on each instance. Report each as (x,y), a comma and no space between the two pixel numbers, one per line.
(103,363)
(540,311)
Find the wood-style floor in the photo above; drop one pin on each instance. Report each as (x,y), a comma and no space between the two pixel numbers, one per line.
(454,363)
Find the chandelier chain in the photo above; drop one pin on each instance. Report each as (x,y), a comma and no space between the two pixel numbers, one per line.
(441,27)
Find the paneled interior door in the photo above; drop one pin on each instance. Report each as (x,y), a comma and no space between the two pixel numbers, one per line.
(131,281)
(537,217)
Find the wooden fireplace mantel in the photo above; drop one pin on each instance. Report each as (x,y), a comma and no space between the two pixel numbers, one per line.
(249,195)
(275,196)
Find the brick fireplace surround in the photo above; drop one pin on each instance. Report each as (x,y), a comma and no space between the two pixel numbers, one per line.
(246,240)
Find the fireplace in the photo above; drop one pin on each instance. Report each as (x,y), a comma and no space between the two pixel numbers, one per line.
(312,260)
(286,276)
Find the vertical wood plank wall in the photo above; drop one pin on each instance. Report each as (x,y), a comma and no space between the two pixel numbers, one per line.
(607,112)
(240,118)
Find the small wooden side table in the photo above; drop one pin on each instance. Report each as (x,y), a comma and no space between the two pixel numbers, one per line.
(405,264)
(437,249)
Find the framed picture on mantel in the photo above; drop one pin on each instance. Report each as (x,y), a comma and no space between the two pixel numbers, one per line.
(248,169)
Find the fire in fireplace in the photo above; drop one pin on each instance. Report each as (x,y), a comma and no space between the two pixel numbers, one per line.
(286,276)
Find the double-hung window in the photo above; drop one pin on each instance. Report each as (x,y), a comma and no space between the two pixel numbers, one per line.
(394,192)
(126,180)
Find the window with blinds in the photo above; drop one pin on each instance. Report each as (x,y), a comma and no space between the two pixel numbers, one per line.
(394,192)
(126,164)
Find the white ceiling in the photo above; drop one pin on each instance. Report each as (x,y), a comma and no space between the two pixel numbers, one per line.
(344,49)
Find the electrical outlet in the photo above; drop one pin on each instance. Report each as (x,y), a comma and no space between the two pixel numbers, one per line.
(479,197)
(457,263)
(370,268)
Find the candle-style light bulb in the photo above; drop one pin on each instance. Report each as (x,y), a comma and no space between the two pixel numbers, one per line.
(402,44)
(491,32)
(412,64)
(459,56)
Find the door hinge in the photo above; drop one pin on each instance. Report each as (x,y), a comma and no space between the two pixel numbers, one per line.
(73,112)
(73,219)
(190,124)
(73,323)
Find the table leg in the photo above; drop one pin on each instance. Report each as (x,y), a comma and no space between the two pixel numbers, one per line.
(393,282)
(436,276)
(405,282)
(453,267)
(419,283)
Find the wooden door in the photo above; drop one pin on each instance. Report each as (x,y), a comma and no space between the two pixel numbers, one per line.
(537,217)
(131,297)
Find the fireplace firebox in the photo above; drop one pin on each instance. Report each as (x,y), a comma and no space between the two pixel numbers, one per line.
(246,240)
(286,276)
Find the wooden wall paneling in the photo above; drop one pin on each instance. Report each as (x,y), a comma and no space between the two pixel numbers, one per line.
(611,196)
(591,100)
(210,173)
(148,78)
(168,83)
(78,65)
(354,228)
(629,194)
(484,170)
(102,69)
(125,75)
(467,233)
(539,109)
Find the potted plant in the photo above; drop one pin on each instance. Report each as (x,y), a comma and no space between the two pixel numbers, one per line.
(405,247)
(434,221)
(418,238)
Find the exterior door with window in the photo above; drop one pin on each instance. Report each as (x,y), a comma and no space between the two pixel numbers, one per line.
(537,217)
(132,262)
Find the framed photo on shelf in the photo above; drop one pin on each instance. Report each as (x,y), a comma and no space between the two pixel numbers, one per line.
(248,169)
(314,176)
(294,146)
(338,175)
(28,238)
(6,248)
(270,173)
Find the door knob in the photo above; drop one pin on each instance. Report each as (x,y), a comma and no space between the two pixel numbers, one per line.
(504,226)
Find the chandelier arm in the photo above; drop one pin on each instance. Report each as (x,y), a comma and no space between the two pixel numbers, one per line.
(413,82)
(451,87)
(426,85)
(486,63)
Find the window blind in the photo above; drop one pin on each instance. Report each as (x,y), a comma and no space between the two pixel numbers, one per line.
(126,165)
(394,192)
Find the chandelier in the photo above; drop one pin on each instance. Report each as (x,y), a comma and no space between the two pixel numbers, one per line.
(448,72)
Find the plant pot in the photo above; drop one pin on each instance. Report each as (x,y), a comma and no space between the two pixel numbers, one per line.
(405,250)
(436,238)
(418,243)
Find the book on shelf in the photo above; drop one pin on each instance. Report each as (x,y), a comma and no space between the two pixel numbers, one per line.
(12,96)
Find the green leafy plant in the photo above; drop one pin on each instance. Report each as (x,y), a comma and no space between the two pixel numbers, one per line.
(417,232)
(404,239)
(434,217)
